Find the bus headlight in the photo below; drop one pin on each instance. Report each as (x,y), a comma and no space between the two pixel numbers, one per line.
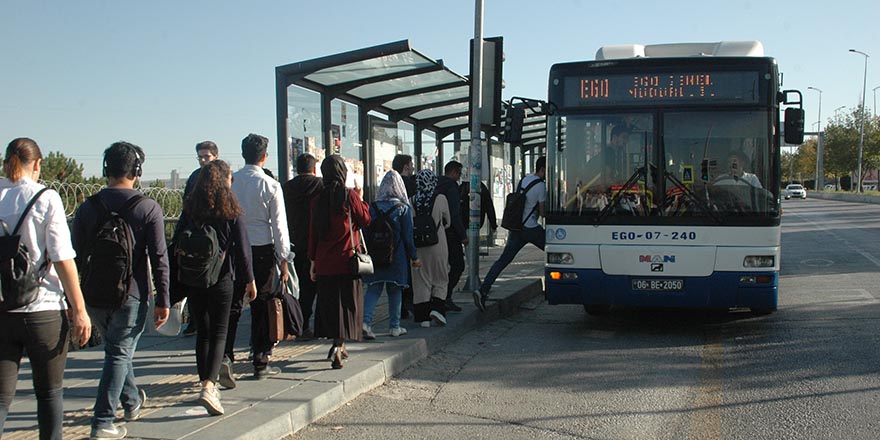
(559,258)
(759,261)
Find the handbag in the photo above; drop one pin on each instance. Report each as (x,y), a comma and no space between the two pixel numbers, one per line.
(360,263)
(276,320)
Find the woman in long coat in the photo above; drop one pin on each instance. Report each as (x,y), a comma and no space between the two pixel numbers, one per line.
(338,214)
(430,280)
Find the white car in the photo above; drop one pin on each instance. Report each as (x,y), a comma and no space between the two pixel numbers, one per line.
(795,190)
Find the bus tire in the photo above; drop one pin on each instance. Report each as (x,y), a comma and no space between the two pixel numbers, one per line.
(596,309)
(762,312)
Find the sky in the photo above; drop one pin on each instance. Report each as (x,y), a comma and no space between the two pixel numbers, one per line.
(78,75)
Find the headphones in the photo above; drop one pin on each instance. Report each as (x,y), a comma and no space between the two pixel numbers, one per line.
(138,171)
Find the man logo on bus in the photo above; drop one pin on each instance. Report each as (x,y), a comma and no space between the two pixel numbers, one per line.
(656,258)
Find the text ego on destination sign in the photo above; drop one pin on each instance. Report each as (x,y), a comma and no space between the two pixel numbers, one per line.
(647,88)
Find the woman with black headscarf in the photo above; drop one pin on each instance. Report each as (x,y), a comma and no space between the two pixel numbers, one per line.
(338,213)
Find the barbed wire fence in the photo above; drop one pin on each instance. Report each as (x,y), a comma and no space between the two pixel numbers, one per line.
(73,194)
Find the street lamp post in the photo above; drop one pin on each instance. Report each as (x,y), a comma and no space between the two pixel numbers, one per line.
(818,139)
(875,99)
(862,124)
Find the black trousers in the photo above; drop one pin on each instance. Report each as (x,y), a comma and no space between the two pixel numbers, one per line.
(44,336)
(307,287)
(210,313)
(456,261)
(261,347)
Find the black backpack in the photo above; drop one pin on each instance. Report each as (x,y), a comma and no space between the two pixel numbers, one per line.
(424,228)
(19,278)
(515,204)
(109,259)
(380,237)
(199,257)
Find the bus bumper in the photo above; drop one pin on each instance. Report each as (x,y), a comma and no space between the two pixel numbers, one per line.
(721,290)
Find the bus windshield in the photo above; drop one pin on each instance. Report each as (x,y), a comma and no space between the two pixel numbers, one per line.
(698,167)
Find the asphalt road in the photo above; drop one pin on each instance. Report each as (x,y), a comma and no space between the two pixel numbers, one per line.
(808,371)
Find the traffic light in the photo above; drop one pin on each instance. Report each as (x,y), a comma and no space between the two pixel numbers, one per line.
(513,123)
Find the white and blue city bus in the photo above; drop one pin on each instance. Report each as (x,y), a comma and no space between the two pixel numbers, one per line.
(663,177)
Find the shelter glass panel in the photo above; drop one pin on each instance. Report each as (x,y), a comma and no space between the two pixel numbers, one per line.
(370,68)
(346,140)
(427,98)
(407,83)
(303,124)
(429,150)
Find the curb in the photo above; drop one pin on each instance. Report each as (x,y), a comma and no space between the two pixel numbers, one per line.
(333,389)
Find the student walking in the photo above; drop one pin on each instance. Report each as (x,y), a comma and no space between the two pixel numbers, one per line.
(390,208)
(122,322)
(338,214)
(430,280)
(212,212)
(456,233)
(40,324)
(262,202)
(206,151)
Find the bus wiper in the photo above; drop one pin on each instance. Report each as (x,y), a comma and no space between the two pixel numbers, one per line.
(640,172)
(692,197)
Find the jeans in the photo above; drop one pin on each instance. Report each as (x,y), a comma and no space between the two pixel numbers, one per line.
(516,240)
(121,328)
(44,336)
(210,313)
(395,297)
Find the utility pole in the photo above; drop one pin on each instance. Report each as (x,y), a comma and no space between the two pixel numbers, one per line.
(475,154)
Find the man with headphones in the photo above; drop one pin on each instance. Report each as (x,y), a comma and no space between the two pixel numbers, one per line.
(122,326)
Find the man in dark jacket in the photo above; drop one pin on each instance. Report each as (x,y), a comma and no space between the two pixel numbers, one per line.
(456,235)
(298,194)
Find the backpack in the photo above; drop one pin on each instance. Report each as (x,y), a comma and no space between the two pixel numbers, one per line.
(424,228)
(380,237)
(109,259)
(199,257)
(515,204)
(19,279)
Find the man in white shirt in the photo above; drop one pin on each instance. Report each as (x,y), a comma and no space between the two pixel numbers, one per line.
(532,232)
(262,201)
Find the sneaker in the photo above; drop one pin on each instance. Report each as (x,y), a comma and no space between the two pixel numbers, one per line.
(398,331)
(368,333)
(135,413)
(211,401)
(425,324)
(438,318)
(264,373)
(111,432)
(227,380)
(451,306)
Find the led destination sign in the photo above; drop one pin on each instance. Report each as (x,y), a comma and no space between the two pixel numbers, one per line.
(675,87)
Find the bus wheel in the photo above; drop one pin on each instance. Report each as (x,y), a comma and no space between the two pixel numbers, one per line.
(762,312)
(596,310)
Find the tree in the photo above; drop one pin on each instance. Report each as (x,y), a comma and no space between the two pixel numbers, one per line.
(57,167)
(842,144)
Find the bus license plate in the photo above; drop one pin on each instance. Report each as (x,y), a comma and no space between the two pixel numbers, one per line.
(665,285)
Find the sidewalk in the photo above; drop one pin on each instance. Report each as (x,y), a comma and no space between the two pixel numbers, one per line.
(306,390)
